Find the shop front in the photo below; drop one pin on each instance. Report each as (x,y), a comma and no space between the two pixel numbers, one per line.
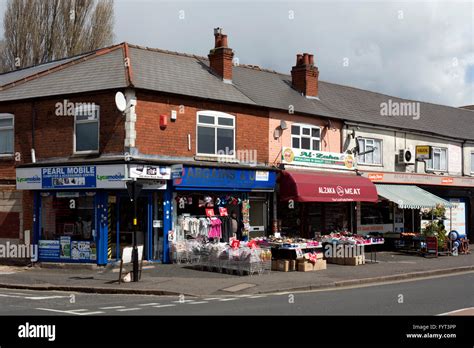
(316,203)
(456,190)
(220,204)
(82,213)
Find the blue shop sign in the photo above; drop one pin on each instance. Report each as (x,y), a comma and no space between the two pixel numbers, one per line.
(69,177)
(225,179)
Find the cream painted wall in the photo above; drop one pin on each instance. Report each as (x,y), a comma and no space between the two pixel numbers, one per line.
(330,137)
(393,141)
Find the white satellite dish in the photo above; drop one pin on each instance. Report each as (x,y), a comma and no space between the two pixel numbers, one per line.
(120,101)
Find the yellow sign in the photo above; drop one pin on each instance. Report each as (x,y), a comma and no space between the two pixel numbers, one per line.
(134,221)
(423,152)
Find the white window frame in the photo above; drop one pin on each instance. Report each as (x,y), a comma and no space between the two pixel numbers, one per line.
(429,163)
(374,140)
(310,136)
(216,115)
(472,162)
(96,109)
(4,116)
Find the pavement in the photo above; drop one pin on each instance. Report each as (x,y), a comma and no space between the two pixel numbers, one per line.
(440,295)
(175,279)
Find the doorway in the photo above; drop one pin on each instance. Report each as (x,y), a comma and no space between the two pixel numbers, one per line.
(120,223)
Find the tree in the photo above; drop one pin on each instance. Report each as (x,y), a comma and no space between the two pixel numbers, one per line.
(39,31)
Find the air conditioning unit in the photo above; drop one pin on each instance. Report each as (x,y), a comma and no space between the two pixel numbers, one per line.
(406,156)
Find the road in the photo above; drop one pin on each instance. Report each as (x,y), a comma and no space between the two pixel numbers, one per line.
(431,296)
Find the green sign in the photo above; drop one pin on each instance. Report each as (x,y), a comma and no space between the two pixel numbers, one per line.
(318,158)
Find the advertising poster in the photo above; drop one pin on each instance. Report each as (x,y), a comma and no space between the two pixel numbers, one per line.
(84,250)
(48,249)
(65,243)
(74,250)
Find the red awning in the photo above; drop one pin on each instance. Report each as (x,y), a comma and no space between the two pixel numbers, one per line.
(326,187)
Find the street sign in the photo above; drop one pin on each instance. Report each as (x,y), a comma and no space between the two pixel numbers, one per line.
(176,171)
(423,152)
(134,188)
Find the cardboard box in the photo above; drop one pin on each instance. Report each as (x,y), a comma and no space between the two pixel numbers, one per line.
(355,261)
(319,256)
(305,267)
(320,265)
(283,265)
(300,260)
(292,265)
(274,265)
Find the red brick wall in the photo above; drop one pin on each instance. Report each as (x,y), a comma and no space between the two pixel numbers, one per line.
(9,225)
(54,134)
(251,125)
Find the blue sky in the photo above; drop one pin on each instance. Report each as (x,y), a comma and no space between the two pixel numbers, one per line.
(422,50)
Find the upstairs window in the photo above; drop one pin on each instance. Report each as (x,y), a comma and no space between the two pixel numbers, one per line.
(439,160)
(86,129)
(7,135)
(370,151)
(215,133)
(305,137)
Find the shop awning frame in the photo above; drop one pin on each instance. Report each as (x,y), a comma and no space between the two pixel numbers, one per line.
(304,186)
(411,197)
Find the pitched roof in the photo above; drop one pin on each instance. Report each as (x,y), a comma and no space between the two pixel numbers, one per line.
(189,75)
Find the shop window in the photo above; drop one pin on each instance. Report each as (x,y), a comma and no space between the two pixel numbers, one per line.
(472,162)
(215,133)
(305,137)
(376,214)
(370,151)
(6,134)
(439,159)
(68,226)
(86,129)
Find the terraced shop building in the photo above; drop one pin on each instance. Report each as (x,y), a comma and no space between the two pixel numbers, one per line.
(218,128)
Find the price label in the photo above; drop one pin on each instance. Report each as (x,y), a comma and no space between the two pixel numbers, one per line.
(299,253)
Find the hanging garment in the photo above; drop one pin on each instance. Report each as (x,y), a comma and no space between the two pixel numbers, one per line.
(216,231)
(226,228)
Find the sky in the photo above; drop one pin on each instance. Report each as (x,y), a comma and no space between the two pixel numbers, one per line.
(420,50)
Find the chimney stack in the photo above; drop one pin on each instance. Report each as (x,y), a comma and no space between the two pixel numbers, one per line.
(304,75)
(220,58)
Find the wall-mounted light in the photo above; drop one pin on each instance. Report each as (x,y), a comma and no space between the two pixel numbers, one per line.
(283,125)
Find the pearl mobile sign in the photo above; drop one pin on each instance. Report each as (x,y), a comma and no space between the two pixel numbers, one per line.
(71,177)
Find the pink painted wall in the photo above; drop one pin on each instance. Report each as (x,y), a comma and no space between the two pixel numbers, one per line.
(330,138)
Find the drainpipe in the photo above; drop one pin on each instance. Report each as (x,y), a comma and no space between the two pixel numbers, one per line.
(33,126)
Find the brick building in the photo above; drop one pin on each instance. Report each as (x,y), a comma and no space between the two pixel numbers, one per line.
(196,132)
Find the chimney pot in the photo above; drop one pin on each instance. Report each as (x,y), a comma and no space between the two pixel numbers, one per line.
(220,58)
(311,59)
(305,59)
(299,59)
(224,41)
